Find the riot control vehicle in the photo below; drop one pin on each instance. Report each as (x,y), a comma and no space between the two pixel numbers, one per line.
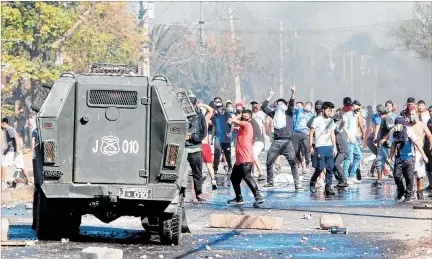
(112,144)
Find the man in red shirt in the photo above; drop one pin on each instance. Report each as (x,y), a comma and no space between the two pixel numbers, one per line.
(242,169)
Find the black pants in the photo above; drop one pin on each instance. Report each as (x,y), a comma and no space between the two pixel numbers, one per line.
(243,172)
(218,149)
(285,148)
(338,166)
(195,162)
(404,170)
(301,145)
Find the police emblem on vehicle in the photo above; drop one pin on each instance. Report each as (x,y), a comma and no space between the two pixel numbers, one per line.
(110,145)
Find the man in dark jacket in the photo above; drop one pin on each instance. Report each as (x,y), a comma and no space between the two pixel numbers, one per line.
(282,144)
(196,133)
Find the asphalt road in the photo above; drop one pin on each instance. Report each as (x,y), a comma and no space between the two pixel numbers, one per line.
(378,227)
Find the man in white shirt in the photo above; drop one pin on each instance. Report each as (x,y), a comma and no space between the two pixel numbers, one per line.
(262,120)
(354,152)
(424,115)
(325,147)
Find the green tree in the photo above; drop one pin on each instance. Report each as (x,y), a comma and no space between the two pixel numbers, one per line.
(42,39)
(416,33)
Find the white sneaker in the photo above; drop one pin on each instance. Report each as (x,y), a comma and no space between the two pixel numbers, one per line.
(350,181)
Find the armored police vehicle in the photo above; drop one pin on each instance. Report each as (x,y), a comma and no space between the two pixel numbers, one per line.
(112,145)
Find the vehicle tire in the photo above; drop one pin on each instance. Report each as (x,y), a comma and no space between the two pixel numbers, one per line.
(53,223)
(46,222)
(170,226)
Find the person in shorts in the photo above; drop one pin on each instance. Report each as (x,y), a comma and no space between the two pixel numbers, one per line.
(206,150)
(12,154)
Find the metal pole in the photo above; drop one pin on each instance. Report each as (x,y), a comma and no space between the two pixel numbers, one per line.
(281,60)
(146,50)
(235,72)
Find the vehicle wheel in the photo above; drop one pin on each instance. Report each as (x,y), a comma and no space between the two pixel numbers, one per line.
(71,222)
(170,226)
(46,223)
(53,223)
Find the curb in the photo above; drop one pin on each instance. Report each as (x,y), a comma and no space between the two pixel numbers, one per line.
(24,194)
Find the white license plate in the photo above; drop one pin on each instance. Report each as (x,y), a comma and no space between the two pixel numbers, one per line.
(135,194)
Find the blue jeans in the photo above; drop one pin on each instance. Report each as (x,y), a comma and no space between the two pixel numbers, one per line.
(382,156)
(325,160)
(354,157)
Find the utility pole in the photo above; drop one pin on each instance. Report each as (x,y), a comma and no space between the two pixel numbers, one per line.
(144,14)
(201,23)
(281,60)
(352,74)
(234,63)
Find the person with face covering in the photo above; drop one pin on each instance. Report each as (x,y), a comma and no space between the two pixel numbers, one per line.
(421,131)
(221,136)
(301,132)
(405,142)
(282,144)
(197,131)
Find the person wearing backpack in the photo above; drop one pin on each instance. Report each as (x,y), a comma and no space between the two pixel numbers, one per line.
(404,141)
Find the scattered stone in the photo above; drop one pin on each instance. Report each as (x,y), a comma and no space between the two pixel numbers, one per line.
(29,206)
(208,248)
(305,238)
(315,249)
(323,248)
(391,225)
(217,256)
(101,253)
(160,256)
(144,257)
(245,222)
(331,220)
(65,240)
(4,229)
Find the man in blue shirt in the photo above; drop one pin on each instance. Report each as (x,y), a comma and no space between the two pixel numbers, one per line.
(221,136)
(302,115)
(375,125)
(403,147)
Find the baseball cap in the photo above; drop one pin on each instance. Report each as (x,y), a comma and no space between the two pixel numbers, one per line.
(239,105)
(217,99)
(357,103)
(254,101)
(382,109)
(228,102)
(318,103)
(400,120)
(347,101)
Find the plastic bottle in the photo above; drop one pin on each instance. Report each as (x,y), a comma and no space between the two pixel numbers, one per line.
(337,230)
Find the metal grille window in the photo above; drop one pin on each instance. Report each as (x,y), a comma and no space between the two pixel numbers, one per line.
(53,174)
(109,98)
(185,104)
(49,147)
